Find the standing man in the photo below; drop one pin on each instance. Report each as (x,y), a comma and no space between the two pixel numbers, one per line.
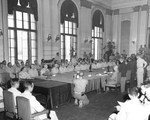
(132,65)
(123,71)
(79,90)
(141,64)
(57,58)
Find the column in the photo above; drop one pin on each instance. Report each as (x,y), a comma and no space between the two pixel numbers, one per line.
(40,31)
(142,26)
(115,20)
(134,30)
(108,26)
(1,27)
(4,19)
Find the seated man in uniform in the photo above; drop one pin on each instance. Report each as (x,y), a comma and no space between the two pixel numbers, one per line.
(14,88)
(33,71)
(62,68)
(23,74)
(70,67)
(44,70)
(78,67)
(79,90)
(55,69)
(35,105)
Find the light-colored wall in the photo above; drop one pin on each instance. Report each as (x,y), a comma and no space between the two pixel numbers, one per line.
(137,16)
(49,23)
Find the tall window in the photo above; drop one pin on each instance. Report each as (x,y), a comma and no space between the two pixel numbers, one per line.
(22,34)
(68,30)
(97,35)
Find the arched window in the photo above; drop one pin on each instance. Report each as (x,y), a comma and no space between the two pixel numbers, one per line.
(68,29)
(97,34)
(22,30)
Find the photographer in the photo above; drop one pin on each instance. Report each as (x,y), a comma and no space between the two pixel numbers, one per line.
(79,89)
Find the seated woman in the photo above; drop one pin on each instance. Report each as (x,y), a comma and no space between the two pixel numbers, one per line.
(44,71)
(23,74)
(55,69)
(33,72)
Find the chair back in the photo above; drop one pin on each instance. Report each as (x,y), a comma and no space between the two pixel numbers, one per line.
(4,77)
(128,75)
(23,105)
(119,77)
(9,103)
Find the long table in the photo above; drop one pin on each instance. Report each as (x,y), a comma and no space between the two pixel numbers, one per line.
(59,88)
(95,79)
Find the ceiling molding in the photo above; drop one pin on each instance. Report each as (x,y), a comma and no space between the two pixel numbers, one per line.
(101,3)
(119,4)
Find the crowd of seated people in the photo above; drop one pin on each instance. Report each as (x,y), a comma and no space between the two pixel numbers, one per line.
(27,70)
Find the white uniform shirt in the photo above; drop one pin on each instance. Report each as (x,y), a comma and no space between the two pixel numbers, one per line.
(77,68)
(141,63)
(33,73)
(1,98)
(94,66)
(83,67)
(80,85)
(55,70)
(15,93)
(24,75)
(35,105)
(43,71)
(70,68)
(62,69)
(131,110)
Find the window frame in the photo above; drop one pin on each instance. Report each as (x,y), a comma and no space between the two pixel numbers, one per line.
(28,30)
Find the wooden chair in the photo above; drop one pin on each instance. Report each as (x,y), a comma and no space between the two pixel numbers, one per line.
(24,110)
(128,78)
(9,105)
(116,86)
(1,109)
